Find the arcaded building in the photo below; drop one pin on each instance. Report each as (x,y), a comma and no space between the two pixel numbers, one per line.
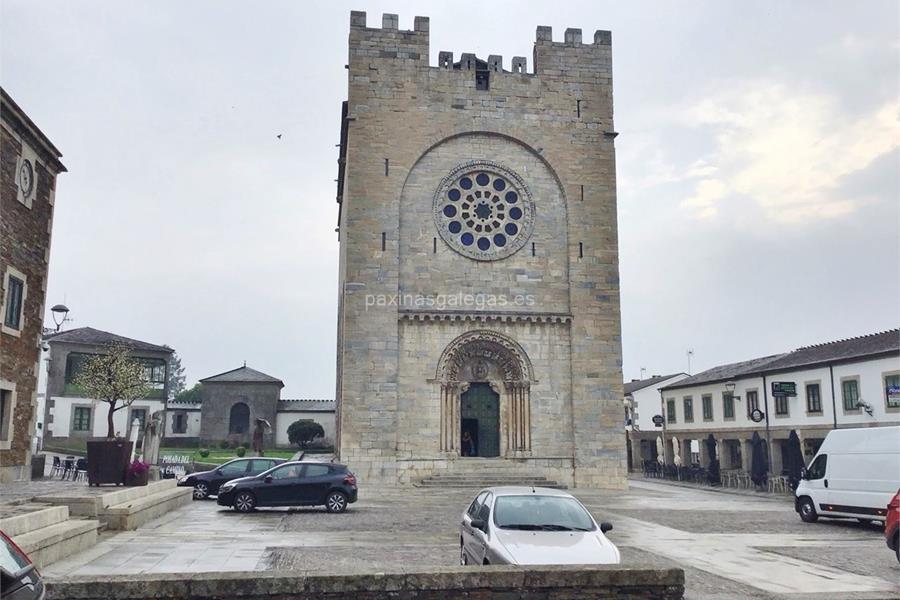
(478,324)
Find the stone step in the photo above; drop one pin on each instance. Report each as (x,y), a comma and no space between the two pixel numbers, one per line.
(133,513)
(46,545)
(23,518)
(94,500)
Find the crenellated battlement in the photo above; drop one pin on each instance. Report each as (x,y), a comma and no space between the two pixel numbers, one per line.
(550,58)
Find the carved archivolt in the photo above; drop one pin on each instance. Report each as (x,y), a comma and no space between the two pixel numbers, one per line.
(468,358)
(493,358)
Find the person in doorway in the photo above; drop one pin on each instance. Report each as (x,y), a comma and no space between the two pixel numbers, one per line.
(468,444)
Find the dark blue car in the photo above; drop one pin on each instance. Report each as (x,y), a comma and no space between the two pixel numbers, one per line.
(293,484)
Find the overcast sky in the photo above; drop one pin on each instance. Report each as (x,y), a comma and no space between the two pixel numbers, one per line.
(758,189)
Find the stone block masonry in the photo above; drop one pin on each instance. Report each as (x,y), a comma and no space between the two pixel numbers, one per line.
(415,136)
(543,583)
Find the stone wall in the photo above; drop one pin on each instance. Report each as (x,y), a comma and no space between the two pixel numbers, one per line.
(489,582)
(217,398)
(25,226)
(408,125)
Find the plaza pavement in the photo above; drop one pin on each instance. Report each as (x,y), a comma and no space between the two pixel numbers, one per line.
(730,545)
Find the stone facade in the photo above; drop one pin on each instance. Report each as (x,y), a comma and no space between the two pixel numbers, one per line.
(220,400)
(30,164)
(425,313)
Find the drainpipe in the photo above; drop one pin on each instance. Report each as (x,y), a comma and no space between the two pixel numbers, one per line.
(833,402)
(662,411)
(768,439)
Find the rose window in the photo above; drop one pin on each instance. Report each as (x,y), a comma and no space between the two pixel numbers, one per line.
(483,211)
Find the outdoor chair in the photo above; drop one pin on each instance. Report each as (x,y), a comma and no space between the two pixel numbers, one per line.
(57,468)
(80,469)
(68,467)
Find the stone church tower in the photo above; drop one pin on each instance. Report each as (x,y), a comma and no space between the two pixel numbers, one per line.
(478,326)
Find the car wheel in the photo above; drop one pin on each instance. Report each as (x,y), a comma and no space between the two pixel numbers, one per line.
(336,502)
(244,502)
(201,491)
(808,510)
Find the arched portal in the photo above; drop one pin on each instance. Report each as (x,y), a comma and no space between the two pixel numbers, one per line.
(239,419)
(481,374)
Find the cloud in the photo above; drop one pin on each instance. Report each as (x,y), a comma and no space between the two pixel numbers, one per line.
(786,150)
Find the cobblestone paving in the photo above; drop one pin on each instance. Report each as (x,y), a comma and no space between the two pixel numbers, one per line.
(730,546)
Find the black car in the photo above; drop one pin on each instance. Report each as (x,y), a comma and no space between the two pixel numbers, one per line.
(207,483)
(293,484)
(19,579)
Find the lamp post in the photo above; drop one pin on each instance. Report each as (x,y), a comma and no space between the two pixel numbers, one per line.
(60,315)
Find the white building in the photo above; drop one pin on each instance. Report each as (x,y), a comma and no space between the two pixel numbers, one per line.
(847,383)
(642,403)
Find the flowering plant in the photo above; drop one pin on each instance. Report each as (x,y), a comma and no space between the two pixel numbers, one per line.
(137,468)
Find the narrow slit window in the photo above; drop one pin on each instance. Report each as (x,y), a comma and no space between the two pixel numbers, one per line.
(383,240)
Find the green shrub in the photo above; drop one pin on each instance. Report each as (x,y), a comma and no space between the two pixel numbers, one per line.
(203,452)
(304,431)
(224,444)
(240,451)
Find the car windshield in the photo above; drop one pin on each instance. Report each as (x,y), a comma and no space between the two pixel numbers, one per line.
(541,513)
(10,559)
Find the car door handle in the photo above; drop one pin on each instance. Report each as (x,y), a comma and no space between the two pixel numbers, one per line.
(826,483)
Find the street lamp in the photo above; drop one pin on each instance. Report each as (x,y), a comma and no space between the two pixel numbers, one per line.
(60,315)
(729,387)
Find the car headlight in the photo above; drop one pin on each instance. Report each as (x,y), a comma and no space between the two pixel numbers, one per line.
(227,487)
(184,479)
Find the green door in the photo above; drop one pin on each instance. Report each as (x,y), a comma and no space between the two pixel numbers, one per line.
(480,419)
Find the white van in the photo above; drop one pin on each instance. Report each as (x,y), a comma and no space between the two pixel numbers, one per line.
(853,476)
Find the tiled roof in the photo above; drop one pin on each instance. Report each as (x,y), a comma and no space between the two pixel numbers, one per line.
(876,344)
(242,375)
(89,335)
(885,342)
(633,386)
(306,405)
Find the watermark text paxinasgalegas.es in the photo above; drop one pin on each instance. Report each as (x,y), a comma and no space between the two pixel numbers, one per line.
(441,301)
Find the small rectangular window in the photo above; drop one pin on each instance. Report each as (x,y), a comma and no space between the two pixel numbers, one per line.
(707,408)
(5,415)
(752,402)
(15,292)
(670,410)
(781,405)
(727,405)
(850,393)
(892,390)
(688,409)
(482,80)
(813,398)
(81,418)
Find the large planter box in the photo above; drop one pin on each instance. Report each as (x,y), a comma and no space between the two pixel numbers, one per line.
(133,480)
(108,461)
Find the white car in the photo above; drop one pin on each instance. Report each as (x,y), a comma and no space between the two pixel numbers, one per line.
(532,526)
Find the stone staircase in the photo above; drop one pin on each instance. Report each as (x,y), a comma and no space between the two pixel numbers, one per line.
(482,479)
(125,508)
(46,532)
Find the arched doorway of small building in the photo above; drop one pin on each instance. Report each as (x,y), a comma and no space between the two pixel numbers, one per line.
(239,419)
(480,421)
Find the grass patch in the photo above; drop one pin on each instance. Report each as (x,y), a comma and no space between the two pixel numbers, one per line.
(217,457)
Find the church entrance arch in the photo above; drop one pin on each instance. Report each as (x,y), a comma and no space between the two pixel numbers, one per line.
(485,382)
(480,421)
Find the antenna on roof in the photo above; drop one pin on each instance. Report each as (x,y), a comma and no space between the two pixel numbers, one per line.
(690,353)
(245,363)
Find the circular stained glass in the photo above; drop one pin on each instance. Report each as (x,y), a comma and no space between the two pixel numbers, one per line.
(483,210)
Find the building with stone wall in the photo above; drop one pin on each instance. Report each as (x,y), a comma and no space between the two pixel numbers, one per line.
(478,319)
(29,164)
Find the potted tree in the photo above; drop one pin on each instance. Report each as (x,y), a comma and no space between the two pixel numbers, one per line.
(118,380)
